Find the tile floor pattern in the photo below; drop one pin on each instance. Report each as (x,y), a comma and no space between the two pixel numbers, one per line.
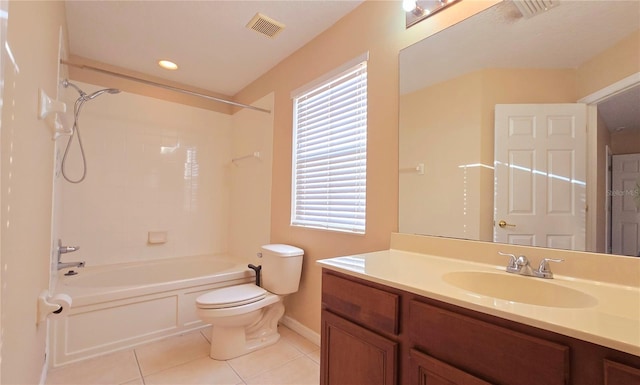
(184,359)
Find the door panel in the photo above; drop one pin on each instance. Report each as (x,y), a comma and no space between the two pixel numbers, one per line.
(625,202)
(540,174)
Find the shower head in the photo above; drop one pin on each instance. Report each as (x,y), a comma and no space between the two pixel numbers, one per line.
(98,93)
(83,95)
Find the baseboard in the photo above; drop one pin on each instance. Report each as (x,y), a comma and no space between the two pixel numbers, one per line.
(301,329)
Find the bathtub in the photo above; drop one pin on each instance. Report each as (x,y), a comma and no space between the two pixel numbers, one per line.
(119,306)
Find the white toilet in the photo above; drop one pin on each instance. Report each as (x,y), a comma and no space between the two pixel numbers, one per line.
(245,317)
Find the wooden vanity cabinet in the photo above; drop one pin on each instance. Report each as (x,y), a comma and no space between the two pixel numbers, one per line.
(375,334)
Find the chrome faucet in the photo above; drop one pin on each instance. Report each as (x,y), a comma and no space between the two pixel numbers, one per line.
(64,250)
(520,265)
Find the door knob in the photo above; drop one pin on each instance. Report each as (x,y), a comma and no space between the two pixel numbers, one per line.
(504,224)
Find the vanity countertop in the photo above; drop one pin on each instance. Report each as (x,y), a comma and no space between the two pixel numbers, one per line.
(612,320)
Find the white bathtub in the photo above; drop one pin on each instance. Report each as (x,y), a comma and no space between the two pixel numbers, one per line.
(119,306)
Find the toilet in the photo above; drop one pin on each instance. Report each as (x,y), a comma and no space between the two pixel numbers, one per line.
(245,317)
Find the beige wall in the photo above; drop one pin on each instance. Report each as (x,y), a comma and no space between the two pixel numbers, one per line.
(376,27)
(625,142)
(615,63)
(441,127)
(26,172)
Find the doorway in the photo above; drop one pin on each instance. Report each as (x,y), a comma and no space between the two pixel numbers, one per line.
(625,204)
(614,130)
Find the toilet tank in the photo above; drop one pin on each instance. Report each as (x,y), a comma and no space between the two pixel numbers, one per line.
(281,267)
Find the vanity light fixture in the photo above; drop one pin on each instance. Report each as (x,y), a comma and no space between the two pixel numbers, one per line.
(168,65)
(418,10)
(413,7)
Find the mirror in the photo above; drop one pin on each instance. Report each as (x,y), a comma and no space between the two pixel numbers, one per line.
(450,83)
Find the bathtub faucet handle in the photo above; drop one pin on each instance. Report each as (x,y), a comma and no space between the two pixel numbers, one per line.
(66,249)
(257,269)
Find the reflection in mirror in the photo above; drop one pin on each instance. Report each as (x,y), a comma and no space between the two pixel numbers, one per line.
(576,53)
(418,10)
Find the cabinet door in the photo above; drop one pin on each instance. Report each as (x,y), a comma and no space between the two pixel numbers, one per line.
(354,355)
(427,370)
(619,374)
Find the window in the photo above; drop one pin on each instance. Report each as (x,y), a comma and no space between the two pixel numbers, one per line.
(330,151)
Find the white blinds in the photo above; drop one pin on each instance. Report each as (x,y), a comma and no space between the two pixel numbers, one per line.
(330,153)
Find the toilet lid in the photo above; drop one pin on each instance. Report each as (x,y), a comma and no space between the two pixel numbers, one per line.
(231,296)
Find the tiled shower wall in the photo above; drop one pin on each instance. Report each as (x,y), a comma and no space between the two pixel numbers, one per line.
(152,165)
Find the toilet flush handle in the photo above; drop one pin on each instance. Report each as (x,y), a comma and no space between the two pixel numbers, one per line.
(257,270)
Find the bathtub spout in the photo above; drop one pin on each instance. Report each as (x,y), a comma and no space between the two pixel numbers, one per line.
(64,265)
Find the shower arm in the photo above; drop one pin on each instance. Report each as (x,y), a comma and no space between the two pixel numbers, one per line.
(165,86)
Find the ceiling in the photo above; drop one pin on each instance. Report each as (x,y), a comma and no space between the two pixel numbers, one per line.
(565,36)
(207,39)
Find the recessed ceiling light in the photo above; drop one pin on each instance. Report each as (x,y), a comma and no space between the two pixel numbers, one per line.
(168,65)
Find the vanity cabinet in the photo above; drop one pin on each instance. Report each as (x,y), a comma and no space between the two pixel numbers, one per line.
(375,334)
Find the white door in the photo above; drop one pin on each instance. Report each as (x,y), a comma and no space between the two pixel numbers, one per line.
(540,174)
(625,202)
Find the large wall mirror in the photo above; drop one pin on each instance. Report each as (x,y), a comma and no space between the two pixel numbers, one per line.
(488,149)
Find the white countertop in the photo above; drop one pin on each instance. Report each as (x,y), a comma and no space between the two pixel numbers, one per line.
(612,321)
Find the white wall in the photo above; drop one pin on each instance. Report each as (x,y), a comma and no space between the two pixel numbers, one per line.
(152,165)
(26,179)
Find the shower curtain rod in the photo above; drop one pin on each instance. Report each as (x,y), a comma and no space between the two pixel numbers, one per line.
(165,86)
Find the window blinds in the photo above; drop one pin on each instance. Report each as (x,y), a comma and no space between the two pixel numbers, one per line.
(330,153)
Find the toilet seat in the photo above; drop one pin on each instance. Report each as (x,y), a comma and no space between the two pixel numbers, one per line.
(231,296)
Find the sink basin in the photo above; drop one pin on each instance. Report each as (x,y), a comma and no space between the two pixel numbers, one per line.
(516,288)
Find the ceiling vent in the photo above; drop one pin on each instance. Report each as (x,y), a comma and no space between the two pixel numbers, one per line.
(530,8)
(265,25)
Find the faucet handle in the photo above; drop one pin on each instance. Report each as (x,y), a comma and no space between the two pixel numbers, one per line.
(543,270)
(68,249)
(512,261)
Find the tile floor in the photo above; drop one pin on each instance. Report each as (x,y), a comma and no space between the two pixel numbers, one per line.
(185,360)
